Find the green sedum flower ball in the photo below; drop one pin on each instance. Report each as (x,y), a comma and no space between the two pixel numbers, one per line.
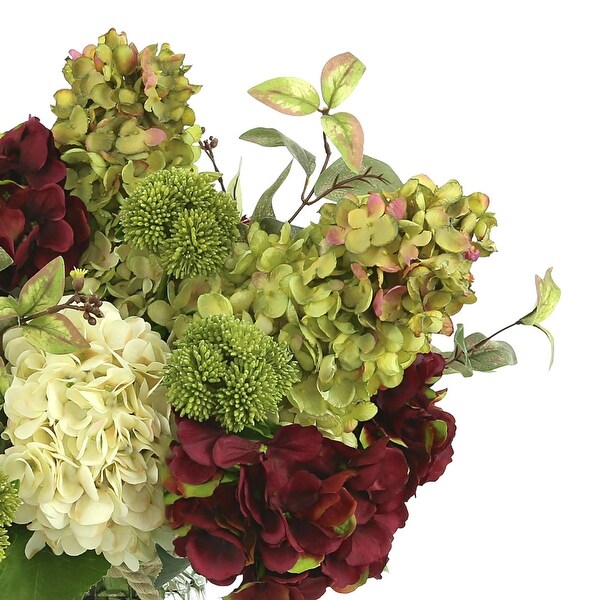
(178,216)
(9,503)
(228,369)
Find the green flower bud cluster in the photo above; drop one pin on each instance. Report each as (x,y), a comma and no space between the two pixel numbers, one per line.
(125,115)
(179,217)
(416,246)
(228,369)
(9,503)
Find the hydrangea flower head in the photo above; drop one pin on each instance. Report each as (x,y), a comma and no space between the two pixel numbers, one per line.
(89,432)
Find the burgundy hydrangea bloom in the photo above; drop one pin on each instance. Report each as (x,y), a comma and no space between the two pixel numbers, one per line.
(36,226)
(28,156)
(275,587)
(281,502)
(38,221)
(408,414)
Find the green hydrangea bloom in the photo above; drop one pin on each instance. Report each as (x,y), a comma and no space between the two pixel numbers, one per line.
(228,369)
(9,503)
(178,216)
(359,294)
(125,115)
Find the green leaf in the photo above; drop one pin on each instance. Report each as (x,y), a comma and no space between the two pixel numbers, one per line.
(264,206)
(340,76)
(338,171)
(172,566)
(458,361)
(235,190)
(346,134)
(8,313)
(55,334)
(8,307)
(46,576)
(551,340)
(5,259)
(289,95)
(272,225)
(491,355)
(271,138)
(44,289)
(548,295)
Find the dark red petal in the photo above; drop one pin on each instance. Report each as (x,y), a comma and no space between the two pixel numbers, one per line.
(34,146)
(342,575)
(314,539)
(294,443)
(370,543)
(198,439)
(56,235)
(12,222)
(77,217)
(278,558)
(22,251)
(337,514)
(219,556)
(230,450)
(300,492)
(188,471)
(261,590)
(313,588)
(45,204)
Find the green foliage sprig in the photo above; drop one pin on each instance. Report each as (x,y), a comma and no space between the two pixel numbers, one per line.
(478,352)
(297,97)
(37,311)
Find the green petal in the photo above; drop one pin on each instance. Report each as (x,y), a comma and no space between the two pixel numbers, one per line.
(358,240)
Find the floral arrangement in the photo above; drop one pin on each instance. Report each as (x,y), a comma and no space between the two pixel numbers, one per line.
(184,386)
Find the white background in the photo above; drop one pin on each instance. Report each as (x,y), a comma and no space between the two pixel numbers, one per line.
(502,96)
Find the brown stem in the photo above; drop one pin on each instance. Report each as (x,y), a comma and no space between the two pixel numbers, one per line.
(51,310)
(208,147)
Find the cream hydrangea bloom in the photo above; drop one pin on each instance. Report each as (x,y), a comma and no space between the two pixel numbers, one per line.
(89,433)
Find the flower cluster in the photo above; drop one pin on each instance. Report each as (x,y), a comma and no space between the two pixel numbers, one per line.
(38,220)
(357,295)
(9,503)
(178,216)
(304,511)
(250,394)
(89,434)
(124,116)
(228,369)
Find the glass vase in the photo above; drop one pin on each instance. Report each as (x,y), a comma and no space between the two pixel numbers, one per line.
(186,586)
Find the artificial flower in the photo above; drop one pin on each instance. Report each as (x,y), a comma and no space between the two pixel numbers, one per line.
(89,433)
(230,370)
(28,156)
(178,216)
(9,503)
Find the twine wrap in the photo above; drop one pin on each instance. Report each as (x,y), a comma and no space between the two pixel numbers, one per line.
(142,581)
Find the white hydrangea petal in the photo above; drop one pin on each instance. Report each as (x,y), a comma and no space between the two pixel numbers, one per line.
(68,484)
(35,543)
(87,511)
